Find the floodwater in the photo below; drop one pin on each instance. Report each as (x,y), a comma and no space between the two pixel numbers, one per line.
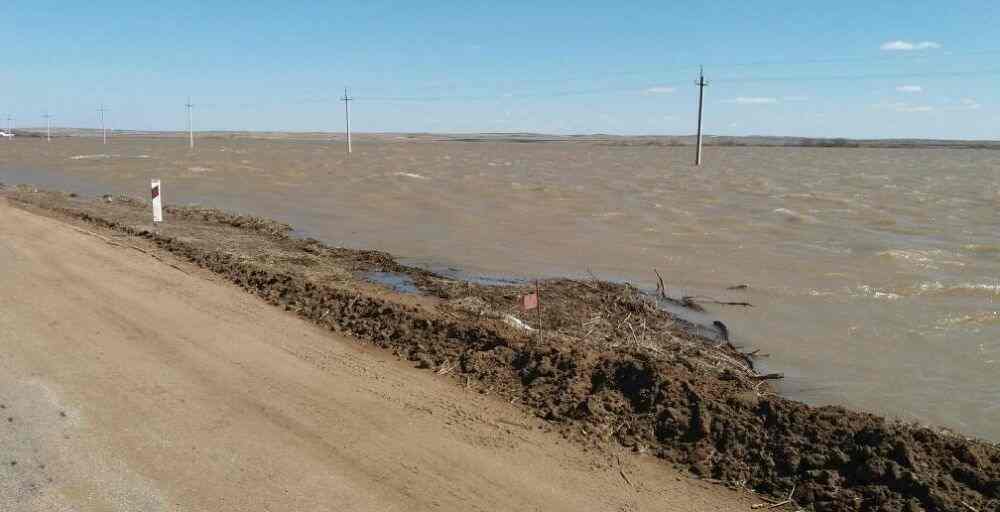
(874,273)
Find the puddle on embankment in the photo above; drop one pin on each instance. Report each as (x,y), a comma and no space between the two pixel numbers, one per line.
(697,322)
(399,283)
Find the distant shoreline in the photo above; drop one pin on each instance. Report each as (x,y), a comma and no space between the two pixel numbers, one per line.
(611,140)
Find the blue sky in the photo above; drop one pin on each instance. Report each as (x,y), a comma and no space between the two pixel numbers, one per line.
(850,68)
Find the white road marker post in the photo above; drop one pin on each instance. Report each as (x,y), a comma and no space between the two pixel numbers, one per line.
(157,201)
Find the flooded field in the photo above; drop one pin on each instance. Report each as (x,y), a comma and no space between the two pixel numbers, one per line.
(874,273)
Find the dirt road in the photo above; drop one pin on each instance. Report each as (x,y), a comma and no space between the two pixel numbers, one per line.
(127,384)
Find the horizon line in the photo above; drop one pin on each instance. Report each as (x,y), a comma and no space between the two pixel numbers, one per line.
(127,131)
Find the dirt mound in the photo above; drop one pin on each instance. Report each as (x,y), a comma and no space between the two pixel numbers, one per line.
(610,366)
(252,223)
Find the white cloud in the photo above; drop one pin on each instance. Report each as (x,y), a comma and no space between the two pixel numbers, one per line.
(969,104)
(901,106)
(907,46)
(660,90)
(915,108)
(909,88)
(795,98)
(744,100)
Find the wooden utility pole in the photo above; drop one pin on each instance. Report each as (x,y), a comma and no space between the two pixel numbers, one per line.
(701,83)
(347,117)
(48,126)
(190,107)
(104,131)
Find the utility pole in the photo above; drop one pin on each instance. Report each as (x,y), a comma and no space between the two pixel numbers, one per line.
(48,126)
(10,127)
(190,107)
(701,83)
(347,114)
(104,132)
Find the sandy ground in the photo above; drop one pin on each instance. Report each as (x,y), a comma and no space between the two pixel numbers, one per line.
(126,384)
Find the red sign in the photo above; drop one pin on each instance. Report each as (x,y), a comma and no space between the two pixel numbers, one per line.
(530,301)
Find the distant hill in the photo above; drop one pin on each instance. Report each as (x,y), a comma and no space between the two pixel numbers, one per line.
(755,140)
(612,140)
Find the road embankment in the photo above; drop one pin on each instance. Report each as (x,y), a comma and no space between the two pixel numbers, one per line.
(602,364)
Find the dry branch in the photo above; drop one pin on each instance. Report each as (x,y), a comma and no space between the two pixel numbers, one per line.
(660,287)
(694,299)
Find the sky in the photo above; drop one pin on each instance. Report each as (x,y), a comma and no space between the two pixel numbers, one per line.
(848,68)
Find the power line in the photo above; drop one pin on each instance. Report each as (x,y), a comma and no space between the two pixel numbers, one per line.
(616,89)
(518,95)
(873,76)
(687,67)
(636,90)
(606,90)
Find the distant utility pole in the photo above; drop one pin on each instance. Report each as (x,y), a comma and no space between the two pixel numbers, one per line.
(48,126)
(10,127)
(104,132)
(347,114)
(190,107)
(701,83)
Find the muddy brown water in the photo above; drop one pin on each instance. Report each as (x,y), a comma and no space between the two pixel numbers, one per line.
(875,273)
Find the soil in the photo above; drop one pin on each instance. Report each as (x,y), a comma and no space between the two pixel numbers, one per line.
(602,362)
(135,381)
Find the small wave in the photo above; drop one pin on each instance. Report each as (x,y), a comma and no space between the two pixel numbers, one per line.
(871,291)
(938,288)
(821,293)
(983,318)
(93,157)
(105,156)
(813,198)
(412,175)
(794,216)
(913,257)
(200,169)
(981,248)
